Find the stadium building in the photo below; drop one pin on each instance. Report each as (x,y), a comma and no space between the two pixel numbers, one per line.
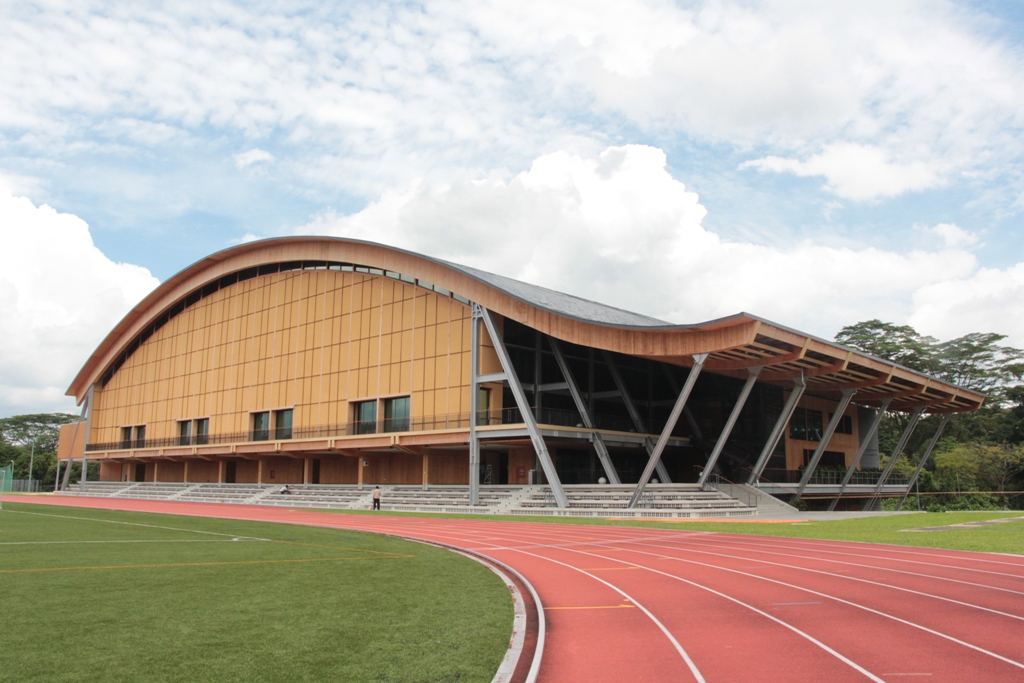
(315,361)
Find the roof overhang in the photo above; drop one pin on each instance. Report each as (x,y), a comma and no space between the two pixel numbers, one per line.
(734,343)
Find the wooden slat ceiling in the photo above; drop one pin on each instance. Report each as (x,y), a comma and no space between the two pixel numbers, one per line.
(829,369)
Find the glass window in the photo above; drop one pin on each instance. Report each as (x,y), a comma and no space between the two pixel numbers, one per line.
(483,408)
(260,426)
(805,425)
(126,437)
(185,433)
(140,436)
(365,414)
(203,431)
(814,425)
(845,425)
(396,414)
(283,424)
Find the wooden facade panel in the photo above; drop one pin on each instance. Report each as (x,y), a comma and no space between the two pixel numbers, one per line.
(847,444)
(393,468)
(283,470)
(339,470)
(520,462)
(201,471)
(448,468)
(246,472)
(171,471)
(278,341)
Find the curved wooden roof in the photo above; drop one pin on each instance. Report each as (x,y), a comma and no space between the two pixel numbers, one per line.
(733,343)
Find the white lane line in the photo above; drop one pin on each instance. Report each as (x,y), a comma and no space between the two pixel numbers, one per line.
(804,544)
(840,576)
(846,660)
(770,617)
(149,526)
(836,599)
(892,559)
(163,540)
(862,566)
(675,643)
(668,634)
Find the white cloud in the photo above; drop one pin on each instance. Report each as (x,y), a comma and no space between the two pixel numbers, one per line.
(954,235)
(251,157)
(59,296)
(619,229)
(879,97)
(988,300)
(856,171)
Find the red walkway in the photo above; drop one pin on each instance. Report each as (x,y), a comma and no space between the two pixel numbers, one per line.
(627,604)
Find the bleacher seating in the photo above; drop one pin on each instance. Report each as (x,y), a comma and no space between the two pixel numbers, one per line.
(658,500)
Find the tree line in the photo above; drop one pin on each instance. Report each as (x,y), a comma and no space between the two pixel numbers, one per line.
(32,440)
(979,460)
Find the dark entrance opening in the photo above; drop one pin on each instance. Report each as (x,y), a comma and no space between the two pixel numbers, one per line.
(140,471)
(229,473)
(315,474)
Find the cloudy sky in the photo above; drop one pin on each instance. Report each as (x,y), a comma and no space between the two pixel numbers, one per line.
(815,163)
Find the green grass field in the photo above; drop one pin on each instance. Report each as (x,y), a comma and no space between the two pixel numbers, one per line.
(93,595)
(894,529)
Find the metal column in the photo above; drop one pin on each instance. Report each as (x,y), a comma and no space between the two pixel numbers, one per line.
(896,452)
(687,413)
(524,408)
(837,417)
(634,414)
(924,458)
(474,408)
(729,424)
(691,380)
(599,445)
(870,434)
(799,385)
(84,422)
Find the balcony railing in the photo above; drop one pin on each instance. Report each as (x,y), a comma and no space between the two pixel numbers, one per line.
(506,416)
(832,477)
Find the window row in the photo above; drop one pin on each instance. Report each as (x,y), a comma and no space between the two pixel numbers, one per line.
(808,425)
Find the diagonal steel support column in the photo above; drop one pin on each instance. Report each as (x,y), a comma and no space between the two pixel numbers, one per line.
(634,414)
(677,409)
(924,458)
(799,385)
(599,445)
(474,408)
(837,417)
(896,452)
(687,413)
(729,424)
(876,421)
(524,408)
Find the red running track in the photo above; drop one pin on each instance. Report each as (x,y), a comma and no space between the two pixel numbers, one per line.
(630,604)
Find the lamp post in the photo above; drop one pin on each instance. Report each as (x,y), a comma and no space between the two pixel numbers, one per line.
(31,462)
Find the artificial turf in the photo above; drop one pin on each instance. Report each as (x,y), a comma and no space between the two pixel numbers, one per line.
(100,595)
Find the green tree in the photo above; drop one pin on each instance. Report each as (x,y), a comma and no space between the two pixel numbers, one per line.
(978,362)
(901,344)
(42,429)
